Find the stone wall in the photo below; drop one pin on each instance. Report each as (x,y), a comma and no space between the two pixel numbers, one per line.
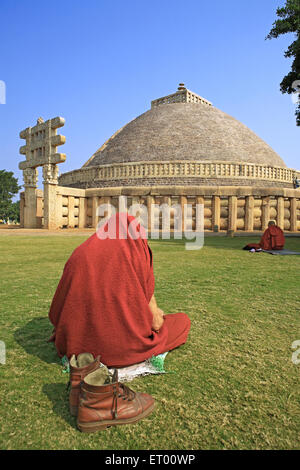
(244,208)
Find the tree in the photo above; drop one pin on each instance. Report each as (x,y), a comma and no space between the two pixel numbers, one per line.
(289,22)
(8,189)
(15,211)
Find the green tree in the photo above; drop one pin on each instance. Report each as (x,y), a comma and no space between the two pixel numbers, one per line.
(15,211)
(289,22)
(8,189)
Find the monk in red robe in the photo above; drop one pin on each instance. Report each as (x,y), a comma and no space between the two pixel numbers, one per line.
(105,304)
(272,239)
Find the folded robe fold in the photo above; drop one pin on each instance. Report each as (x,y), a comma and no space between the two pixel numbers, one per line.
(101,302)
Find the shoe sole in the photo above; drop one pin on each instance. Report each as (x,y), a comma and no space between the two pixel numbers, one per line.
(98,426)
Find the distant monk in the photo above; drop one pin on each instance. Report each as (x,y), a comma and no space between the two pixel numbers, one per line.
(272,239)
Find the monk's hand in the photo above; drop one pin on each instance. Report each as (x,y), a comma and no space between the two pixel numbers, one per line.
(158,314)
(158,320)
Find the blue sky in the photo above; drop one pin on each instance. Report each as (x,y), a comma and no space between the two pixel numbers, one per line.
(99,63)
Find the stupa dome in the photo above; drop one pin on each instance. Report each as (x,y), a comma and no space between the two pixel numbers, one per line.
(185,131)
(182,140)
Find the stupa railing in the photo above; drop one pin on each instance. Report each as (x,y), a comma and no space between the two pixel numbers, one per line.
(183,168)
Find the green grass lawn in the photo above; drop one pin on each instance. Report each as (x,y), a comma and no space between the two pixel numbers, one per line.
(233,385)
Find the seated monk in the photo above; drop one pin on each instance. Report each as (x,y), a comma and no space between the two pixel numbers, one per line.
(272,239)
(105,305)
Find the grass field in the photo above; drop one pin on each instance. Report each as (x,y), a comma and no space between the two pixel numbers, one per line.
(233,385)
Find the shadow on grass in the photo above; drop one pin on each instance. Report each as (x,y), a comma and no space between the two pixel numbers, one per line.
(224,243)
(33,339)
(59,397)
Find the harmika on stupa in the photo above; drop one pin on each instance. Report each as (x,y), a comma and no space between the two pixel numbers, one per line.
(182,150)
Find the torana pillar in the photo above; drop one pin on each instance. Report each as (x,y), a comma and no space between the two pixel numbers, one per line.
(30,176)
(50,177)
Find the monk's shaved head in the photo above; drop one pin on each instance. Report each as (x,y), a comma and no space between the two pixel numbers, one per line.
(271,222)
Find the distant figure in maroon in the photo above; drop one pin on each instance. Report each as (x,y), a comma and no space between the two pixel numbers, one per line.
(272,239)
(105,305)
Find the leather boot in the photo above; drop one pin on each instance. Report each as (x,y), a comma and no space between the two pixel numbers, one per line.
(107,402)
(81,366)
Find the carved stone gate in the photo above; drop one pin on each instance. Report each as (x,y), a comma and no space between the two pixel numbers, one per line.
(40,150)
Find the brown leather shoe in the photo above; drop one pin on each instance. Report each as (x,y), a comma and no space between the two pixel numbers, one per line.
(106,402)
(81,366)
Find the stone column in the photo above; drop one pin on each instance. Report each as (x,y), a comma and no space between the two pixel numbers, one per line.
(51,215)
(150,202)
(39,208)
(232,213)
(82,212)
(280,212)
(216,211)
(167,222)
(95,217)
(200,213)
(71,220)
(249,215)
(265,212)
(183,203)
(30,176)
(293,219)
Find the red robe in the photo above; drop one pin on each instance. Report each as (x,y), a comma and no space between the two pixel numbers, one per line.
(272,239)
(101,303)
